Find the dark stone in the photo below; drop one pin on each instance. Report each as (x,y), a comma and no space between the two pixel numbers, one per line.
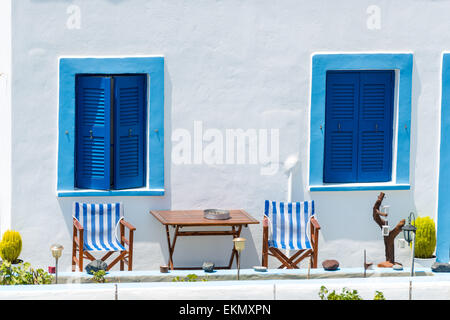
(440,267)
(95,266)
(330,265)
(208,266)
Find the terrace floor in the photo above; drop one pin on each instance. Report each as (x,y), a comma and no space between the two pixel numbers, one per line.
(271,285)
(245,274)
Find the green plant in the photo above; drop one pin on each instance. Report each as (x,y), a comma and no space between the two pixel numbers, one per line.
(10,246)
(189,278)
(22,274)
(379,296)
(425,237)
(99,276)
(346,294)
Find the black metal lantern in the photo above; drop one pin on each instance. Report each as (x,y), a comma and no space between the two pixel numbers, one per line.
(409,229)
(409,233)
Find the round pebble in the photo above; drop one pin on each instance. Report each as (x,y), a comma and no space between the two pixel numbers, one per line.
(260,268)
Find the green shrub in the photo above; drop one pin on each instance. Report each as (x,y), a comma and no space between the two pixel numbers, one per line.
(346,294)
(22,274)
(425,237)
(99,276)
(379,296)
(189,278)
(10,246)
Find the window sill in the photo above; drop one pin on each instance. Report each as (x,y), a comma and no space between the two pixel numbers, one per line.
(359,187)
(110,193)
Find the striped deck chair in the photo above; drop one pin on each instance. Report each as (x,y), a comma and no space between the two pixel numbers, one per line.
(290,226)
(95,226)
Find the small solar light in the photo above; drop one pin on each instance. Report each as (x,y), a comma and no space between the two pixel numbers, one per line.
(56,253)
(239,245)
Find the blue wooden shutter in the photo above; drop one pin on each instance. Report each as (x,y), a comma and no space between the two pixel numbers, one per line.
(93,107)
(375,126)
(341,127)
(129,131)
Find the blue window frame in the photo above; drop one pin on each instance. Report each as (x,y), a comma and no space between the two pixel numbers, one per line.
(402,63)
(443,210)
(110,128)
(358,126)
(153,69)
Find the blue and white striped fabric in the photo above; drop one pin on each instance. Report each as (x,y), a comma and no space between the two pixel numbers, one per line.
(288,224)
(100,222)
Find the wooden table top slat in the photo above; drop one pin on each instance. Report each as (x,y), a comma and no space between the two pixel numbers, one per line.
(195,218)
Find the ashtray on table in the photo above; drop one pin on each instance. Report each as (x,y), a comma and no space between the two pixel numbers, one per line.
(216,214)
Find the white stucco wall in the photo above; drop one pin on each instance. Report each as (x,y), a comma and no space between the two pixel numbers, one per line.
(231,64)
(5,114)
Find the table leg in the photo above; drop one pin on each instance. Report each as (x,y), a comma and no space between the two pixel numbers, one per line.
(171,246)
(170,263)
(236,234)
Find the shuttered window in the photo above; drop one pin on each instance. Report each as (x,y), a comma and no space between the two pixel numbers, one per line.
(129,98)
(358,126)
(110,132)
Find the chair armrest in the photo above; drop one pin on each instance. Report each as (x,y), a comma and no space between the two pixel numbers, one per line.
(77,224)
(265,221)
(315,223)
(128,225)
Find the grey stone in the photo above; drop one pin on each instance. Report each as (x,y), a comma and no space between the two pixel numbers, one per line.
(397,267)
(95,266)
(330,265)
(260,268)
(440,267)
(208,266)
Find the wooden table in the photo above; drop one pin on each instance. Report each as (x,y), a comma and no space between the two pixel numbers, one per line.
(194,218)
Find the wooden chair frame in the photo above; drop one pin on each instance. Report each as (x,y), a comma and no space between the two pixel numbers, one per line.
(125,256)
(292,262)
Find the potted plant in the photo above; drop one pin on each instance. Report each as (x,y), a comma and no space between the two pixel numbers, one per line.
(425,242)
(11,246)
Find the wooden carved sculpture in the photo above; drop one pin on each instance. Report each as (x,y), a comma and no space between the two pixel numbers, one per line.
(388,240)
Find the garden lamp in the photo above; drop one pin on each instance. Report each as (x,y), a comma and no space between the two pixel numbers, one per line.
(239,245)
(409,230)
(409,233)
(56,253)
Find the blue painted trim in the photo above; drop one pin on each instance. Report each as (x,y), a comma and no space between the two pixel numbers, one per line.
(68,68)
(443,211)
(377,61)
(359,188)
(125,193)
